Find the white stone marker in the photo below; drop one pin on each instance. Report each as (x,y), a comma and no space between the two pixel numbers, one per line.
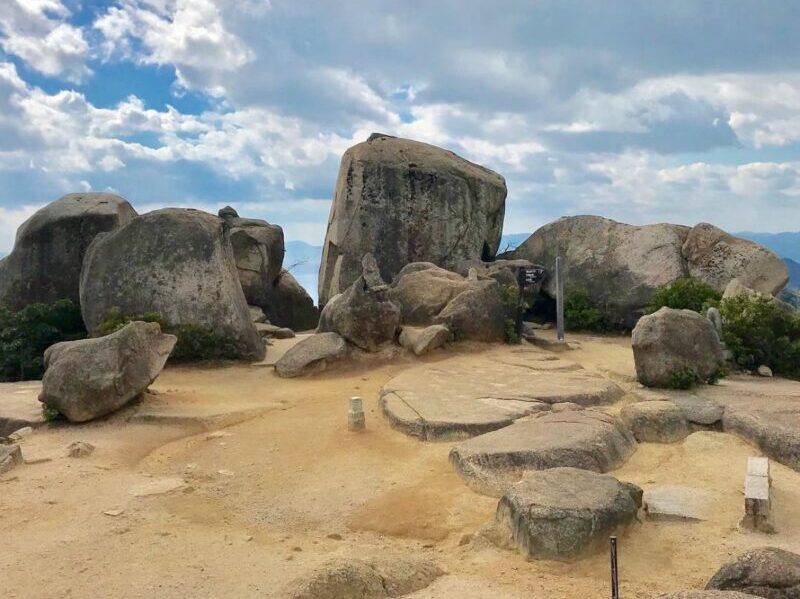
(355,415)
(758,496)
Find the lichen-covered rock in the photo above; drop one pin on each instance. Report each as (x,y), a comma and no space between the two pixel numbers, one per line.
(422,290)
(312,354)
(656,421)
(716,257)
(671,342)
(564,513)
(619,266)
(407,201)
(476,313)
(764,572)
(90,378)
(364,315)
(174,262)
(45,264)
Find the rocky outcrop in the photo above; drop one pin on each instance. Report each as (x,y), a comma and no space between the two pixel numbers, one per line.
(716,257)
(620,266)
(364,315)
(565,513)
(174,262)
(422,290)
(372,578)
(312,354)
(45,264)
(407,201)
(477,313)
(765,572)
(90,378)
(672,343)
(656,421)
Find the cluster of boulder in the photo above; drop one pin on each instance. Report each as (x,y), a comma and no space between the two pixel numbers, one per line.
(621,266)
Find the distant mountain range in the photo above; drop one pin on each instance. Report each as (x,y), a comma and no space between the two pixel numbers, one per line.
(794,273)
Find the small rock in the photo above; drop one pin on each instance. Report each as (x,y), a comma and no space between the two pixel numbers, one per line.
(114,513)
(335,537)
(218,435)
(10,457)
(158,486)
(283,333)
(79,449)
(465,540)
(225,472)
(764,371)
(21,433)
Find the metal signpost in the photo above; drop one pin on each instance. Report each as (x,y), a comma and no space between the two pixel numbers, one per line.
(526,277)
(559,298)
(614,570)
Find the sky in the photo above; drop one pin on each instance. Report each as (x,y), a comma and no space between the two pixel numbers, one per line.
(640,111)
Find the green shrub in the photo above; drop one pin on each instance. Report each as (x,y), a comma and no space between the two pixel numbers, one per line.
(759,332)
(685,294)
(581,315)
(195,343)
(510,333)
(26,334)
(683,378)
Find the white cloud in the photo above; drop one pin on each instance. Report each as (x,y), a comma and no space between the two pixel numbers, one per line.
(10,220)
(37,32)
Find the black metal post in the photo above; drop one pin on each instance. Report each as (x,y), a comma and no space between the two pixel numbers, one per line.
(614,570)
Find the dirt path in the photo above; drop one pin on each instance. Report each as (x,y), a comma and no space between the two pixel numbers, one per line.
(279,493)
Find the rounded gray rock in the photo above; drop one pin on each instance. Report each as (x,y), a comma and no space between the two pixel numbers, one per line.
(765,572)
(312,354)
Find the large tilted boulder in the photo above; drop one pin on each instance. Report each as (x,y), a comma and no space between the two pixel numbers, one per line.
(90,378)
(258,248)
(312,354)
(477,313)
(407,201)
(45,264)
(565,513)
(716,257)
(364,315)
(671,342)
(621,266)
(765,572)
(174,262)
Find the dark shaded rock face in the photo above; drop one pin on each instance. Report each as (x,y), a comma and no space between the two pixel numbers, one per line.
(289,305)
(406,201)
(45,264)
(177,263)
(620,266)
(765,572)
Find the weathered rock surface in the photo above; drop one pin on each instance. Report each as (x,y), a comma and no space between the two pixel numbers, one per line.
(586,439)
(698,410)
(459,398)
(477,313)
(407,201)
(716,257)
(619,266)
(422,290)
(45,264)
(364,315)
(352,578)
(655,421)
(90,378)
(670,341)
(312,354)
(565,513)
(10,457)
(289,304)
(175,262)
(765,572)
(423,341)
(673,502)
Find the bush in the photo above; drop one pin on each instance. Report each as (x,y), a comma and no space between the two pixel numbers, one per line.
(510,300)
(685,294)
(26,334)
(757,332)
(683,378)
(581,315)
(195,343)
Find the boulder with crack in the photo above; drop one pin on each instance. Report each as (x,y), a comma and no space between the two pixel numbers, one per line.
(566,513)
(586,439)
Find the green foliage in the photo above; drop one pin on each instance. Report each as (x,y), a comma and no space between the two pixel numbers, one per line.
(757,331)
(51,414)
(683,378)
(26,334)
(195,343)
(685,294)
(510,332)
(581,315)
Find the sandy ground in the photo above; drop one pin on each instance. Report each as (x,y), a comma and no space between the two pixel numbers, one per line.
(255,480)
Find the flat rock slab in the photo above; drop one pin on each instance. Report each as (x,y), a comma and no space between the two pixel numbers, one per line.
(678,503)
(158,486)
(698,410)
(586,439)
(565,513)
(20,406)
(466,396)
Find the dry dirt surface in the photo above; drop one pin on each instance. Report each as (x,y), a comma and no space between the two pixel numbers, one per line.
(230,482)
